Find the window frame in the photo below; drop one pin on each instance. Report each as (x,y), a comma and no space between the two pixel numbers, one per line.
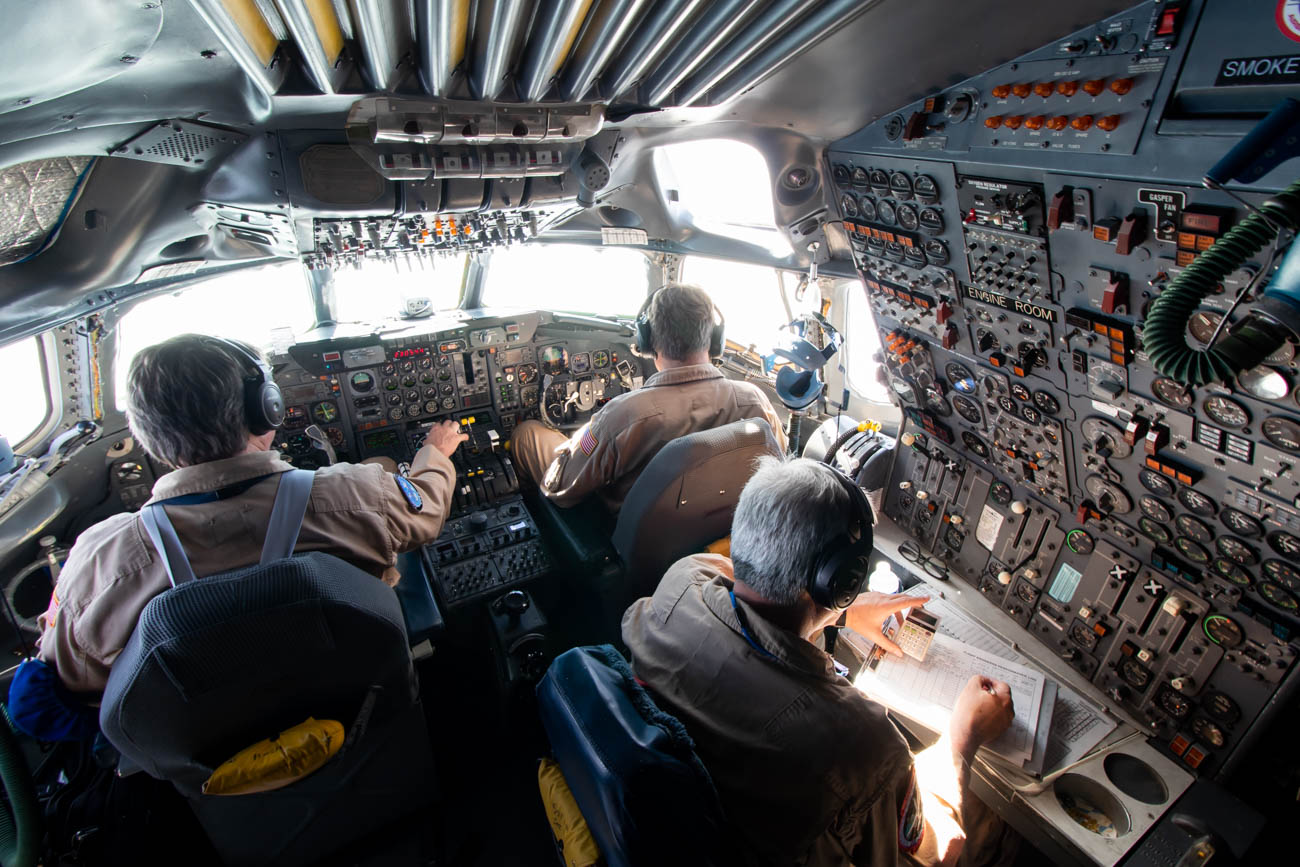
(53,391)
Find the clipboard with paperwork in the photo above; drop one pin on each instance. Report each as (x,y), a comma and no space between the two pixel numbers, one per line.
(1066,726)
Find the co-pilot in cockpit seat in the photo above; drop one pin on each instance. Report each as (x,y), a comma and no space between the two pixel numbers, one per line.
(216,665)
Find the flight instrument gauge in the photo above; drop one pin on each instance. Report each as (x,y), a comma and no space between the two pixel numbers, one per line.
(1046,402)
(1156,483)
(1134,673)
(1203,324)
(1231,571)
(976,445)
(1154,509)
(849,205)
(1007,404)
(527,373)
(1174,703)
(1222,630)
(886,213)
(925,188)
(362,381)
(860,177)
(1283,573)
(1197,503)
(580,362)
(1204,730)
(867,209)
(1154,531)
(1236,550)
(1264,383)
(907,218)
(1105,437)
(1079,541)
(1020,392)
(1031,415)
(1192,550)
(1221,707)
(1284,543)
(1282,432)
(1001,493)
(1172,393)
(600,359)
(553,360)
(967,408)
(1241,523)
(1278,596)
(903,389)
(960,377)
(1195,529)
(935,401)
(1226,412)
(325,412)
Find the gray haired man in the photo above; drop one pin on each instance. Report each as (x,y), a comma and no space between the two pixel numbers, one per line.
(809,770)
(688,394)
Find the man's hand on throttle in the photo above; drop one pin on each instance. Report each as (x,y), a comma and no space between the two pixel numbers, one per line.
(983,711)
(445,437)
(869,611)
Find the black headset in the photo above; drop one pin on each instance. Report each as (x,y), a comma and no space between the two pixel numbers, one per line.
(645,343)
(841,571)
(263,403)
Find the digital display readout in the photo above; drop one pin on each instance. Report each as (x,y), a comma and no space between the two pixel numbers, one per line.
(411,352)
(380,440)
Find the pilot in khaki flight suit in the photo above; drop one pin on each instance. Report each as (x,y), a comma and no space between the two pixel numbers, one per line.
(688,394)
(195,403)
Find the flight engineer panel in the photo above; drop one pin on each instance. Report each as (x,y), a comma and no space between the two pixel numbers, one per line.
(1140,521)
(372,398)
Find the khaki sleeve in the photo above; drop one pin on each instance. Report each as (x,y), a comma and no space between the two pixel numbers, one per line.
(434,477)
(585,464)
(60,647)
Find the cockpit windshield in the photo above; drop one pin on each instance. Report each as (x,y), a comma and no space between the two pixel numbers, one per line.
(380,290)
(567,277)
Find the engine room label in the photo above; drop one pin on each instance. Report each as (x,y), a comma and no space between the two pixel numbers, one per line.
(1284,69)
(1024,308)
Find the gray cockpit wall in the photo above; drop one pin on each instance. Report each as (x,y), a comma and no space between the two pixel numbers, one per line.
(207,158)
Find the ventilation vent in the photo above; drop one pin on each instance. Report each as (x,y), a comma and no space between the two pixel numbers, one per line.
(181,143)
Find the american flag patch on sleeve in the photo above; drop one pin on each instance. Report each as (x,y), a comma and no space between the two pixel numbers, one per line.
(588,442)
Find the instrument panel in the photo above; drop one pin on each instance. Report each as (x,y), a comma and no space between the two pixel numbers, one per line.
(1012,233)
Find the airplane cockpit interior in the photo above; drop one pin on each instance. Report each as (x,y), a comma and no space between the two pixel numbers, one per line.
(1022,273)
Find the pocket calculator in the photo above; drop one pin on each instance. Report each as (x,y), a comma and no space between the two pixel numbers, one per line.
(916,633)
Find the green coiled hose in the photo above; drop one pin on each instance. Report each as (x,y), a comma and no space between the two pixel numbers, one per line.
(20,823)
(1164,334)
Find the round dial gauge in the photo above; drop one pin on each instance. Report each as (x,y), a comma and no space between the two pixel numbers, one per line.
(840,172)
(859,177)
(388,368)
(1050,434)
(1221,707)
(1134,673)
(1020,392)
(1046,402)
(976,445)
(1277,595)
(1195,529)
(1156,483)
(600,359)
(1230,570)
(553,360)
(903,389)
(1172,393)
(935,401)
(1236,550)
(1192,550)
(1222,630)
(1001,493)
(936,251)
(967,408)
(1031,415)
(867,208)
(1282,573)
(907,218)
(295,416)
(1204,730)
(879,180)
(900,185)
(931,220)
(580,362)
(960,377)
(925,188)
(849,205)
(1197,503)
(886,213)
(527,373)
(1226,412)
(1282,432)
(1101,435)
(362,381)
(325,412)
(1202,325)
(1154,509)
(1079,542)
(1154,531)
(1174,703)
(1007,404)
(1282,356)
(1108,496)
(1241,523)
(1284,543)
(1264,383)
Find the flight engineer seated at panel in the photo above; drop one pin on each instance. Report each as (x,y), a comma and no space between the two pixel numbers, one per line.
(679,327)
(809,770)
(202,405)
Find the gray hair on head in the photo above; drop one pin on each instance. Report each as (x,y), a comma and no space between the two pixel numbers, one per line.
(789,510)
(185,400)
(681,319)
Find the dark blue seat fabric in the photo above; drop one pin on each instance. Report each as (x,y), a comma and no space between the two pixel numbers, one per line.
(631,767)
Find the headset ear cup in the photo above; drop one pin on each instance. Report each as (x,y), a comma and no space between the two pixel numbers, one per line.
(644,347)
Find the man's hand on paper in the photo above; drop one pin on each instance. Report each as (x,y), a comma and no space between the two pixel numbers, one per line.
(983,711)
(868,613)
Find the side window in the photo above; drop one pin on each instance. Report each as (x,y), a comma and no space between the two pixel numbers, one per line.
(27,394)
(861,344)
(749,296)
(246,305)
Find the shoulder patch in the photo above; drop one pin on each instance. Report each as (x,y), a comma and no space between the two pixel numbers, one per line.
(911,822)
(410,492)
(588,442)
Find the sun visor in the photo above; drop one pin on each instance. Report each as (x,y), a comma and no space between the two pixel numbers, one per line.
(34,199)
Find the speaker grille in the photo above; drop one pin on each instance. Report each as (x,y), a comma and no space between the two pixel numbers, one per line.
(181,143)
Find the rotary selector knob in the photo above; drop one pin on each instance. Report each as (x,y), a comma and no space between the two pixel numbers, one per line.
(1004,577)
(922,495)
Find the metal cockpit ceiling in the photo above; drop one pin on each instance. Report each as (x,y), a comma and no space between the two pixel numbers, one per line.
(89,79)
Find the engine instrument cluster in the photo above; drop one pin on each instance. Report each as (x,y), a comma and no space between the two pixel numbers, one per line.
(373,398)
(1012,233)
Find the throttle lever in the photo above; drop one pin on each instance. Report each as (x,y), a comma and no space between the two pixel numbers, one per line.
(320,441)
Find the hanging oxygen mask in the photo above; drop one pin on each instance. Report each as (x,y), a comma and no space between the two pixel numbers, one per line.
(1273,317)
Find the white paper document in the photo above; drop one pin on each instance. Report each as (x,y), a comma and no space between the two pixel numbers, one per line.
(927,691)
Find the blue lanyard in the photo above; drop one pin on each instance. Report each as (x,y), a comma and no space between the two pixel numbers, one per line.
(744,629)
(213,496)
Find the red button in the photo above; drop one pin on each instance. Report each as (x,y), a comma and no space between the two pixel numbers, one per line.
(1167,22)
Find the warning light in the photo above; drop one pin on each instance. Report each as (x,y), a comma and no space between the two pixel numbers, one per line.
(1067,88)
(1058,123)
(1035,122)
(1002,91)
(1082,122)
(1109,122)
(1094,86)
(1044,89)
(993,122)
(1014,121)
(1121,86)
(1022,90)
